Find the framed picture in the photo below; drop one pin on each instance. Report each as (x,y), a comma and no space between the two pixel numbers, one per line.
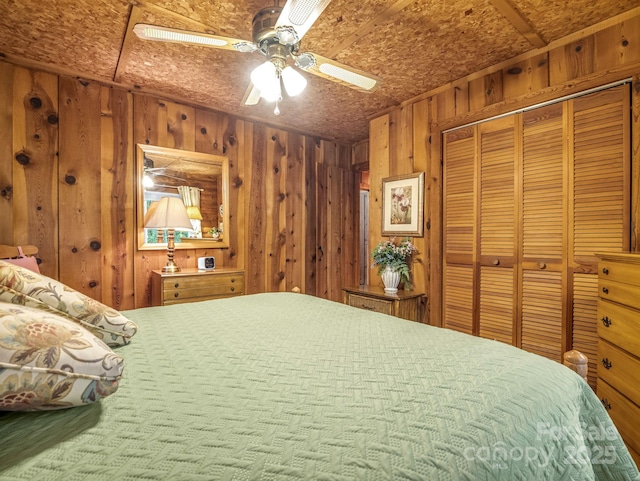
(403,205)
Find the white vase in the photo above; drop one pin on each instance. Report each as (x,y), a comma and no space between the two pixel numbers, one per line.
(390,279)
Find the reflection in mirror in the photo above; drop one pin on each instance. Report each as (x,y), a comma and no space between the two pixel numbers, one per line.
(200,180)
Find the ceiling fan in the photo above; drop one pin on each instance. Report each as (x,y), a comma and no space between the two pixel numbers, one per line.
(277,32)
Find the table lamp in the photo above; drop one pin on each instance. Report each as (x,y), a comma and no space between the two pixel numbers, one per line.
(171,214)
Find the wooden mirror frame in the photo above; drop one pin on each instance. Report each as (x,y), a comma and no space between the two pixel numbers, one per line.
(184,243)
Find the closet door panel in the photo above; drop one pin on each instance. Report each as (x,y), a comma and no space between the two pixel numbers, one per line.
(543,221)
(459,230)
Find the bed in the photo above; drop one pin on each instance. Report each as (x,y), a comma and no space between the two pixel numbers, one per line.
(286,386)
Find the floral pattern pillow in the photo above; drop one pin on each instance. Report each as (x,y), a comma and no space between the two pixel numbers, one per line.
(21,286)
(49,362)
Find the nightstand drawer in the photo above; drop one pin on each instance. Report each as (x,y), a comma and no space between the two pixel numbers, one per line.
(192,285)
(370,304)
(620,370)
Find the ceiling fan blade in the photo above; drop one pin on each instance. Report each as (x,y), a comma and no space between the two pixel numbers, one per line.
(166,34)
(338,72)
(300,14)
(251,96)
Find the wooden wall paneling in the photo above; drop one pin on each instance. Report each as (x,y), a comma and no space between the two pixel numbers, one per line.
(322,230)
(209,130)
(296,219)
(401,141)
(434,226)
(6,144)
(360,156)
(349,226)
(571,61)
(527,76)
(80,172)
(276,231)
(334,205)
(453,101)
(635,164)
(420,269)
(235,143)
(117,191)
(181,134)
(379,163)
(617,45)
(149,127)
(256,226)
(311,215)
(35,164)
(486,90)
(181,126)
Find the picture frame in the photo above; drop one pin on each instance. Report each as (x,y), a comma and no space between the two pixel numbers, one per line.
(403,205)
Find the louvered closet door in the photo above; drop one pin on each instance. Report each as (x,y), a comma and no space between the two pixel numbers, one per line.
(600,194)
(497,239)
(543,246)
(459,230)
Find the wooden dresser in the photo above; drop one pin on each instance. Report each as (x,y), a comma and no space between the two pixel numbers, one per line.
(407,305)
(192,284)
(619,344)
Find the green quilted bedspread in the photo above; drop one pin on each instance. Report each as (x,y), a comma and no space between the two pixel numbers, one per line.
(287,386)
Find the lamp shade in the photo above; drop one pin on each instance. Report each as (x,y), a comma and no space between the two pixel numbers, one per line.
(167,213)
(294,82)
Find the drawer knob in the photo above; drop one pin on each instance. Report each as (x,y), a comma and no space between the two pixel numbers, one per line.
(606,321)
(605,271)
(605,290)
(233,279)
(233,289)
(605,403)
(176,294)
(368,308)
(606,363)
(496,262)
(176,285)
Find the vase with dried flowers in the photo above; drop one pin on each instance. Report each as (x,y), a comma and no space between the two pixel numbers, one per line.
(393,259)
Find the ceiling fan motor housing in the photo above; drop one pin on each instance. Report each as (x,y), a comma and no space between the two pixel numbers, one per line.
(266,37)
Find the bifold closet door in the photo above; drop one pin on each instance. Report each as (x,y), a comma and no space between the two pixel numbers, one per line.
(529,200)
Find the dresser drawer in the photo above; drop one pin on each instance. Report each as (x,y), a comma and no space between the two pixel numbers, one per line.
(619,325)
(624,413)
(192,288)
(370,304)
(620,370)
(619,292)
(619,272)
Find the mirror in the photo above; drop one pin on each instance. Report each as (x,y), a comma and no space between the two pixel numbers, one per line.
(200,180)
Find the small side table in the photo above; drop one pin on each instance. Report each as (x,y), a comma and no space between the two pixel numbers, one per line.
(404,304)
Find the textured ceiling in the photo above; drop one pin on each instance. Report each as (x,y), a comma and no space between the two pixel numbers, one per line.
(414,46)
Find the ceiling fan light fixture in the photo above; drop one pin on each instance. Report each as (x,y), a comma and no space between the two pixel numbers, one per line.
(294,82)
(266,79)
(339,73)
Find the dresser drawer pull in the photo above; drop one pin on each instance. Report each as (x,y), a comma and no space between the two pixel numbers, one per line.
(606,363)
(368,308)
(176,285)
(606,321)
(233,279)
(605,271)
(605,290)
(176,294)
(233,289)
(606,404)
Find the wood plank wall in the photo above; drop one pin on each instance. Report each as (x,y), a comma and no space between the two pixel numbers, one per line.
(67,178)
(408,138)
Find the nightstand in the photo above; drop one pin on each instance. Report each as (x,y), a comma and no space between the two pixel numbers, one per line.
(404,304)
(192,284)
